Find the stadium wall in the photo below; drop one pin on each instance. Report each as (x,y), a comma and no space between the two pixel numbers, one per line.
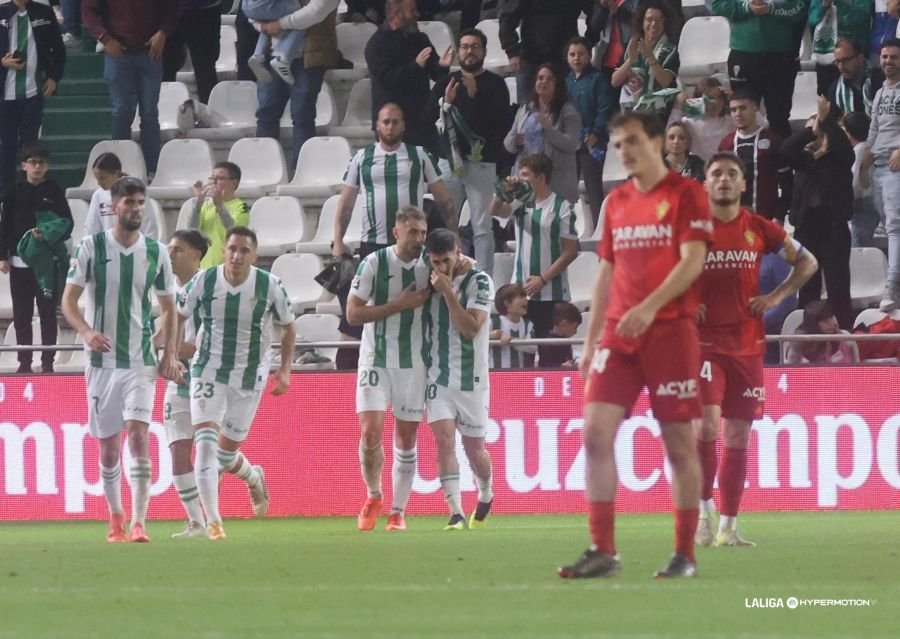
(829,440)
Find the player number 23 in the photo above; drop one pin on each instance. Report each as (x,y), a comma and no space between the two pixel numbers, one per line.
(203,390)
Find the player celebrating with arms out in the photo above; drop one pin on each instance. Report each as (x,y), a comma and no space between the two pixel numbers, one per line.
(236,303)
(643,313)
(732,337)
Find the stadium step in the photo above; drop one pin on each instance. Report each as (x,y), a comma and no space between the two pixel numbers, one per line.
(61,144)
(83,66)
(89,101)
(77,120)
(83,86)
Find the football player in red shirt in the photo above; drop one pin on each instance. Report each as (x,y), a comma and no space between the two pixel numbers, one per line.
(644,315)
(732,337)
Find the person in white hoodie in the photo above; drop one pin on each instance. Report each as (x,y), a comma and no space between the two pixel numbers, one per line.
(107,168)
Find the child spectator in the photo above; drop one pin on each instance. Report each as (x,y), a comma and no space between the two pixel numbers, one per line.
(217,209)
(510,323)
(819,319)
(284,47)
(865,216)
(107,168)
(678,153)
(27,206)
(566,320)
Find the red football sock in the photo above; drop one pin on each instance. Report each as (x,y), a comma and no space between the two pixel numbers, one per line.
(685,528)
(731,480)
(602,520)
(708,462)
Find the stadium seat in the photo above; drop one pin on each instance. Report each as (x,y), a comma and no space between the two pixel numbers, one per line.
(312,327)
(79,209)
(279,223)
(868,271)
(320,244)
(236,102)
(357,122)
(320,169)
(867,317)
(263,166)
(297,273)
(580,333)
(504,264)
(330,307)
(582,274)
(440,35)
(226,65)
(465,213)
(76,360)
(613,171)
(703,47)
(184,214)
(512,87)
(352,38)
(495,59)
(789,327)
(326,113)
(5,298)
(804,102)
(584,223)
(9,360)
(129,154)
(153,208)
(171,96)
(181,163)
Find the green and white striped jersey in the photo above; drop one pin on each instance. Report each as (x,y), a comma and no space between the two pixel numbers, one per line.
(22,84)
(389,180)
(454,361)
(540,230)
(118,282)
(191,332)
(510,356)
(396,341)
(236,325)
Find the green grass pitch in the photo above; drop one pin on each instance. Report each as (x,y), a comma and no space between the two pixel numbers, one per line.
(320,578)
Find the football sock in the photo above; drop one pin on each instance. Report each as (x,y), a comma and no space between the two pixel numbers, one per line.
(450,484)
(140,489)
(403,472)
(206,472)
(485,488)
(708,462)
(731,480)
(235,463)
(371,461)
(602,523)
(707,508)
(727,523)
(186,485)
(685,529)
(112,488)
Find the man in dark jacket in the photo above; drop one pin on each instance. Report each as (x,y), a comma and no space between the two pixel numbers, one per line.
(31,69)
(20,204)
(198,30)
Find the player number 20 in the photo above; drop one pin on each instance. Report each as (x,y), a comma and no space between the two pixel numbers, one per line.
(368,378)
(203,390)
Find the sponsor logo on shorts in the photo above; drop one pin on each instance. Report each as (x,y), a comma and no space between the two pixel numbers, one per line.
(229,424)
(137,410)
(757,392)
(682,389)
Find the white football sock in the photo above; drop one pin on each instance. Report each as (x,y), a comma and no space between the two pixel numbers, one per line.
(140,489)
(112,488)
(403,472)
(450,484)
(206,471)
(485,488)
(186,485)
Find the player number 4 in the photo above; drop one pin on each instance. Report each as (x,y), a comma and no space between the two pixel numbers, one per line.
(706,371)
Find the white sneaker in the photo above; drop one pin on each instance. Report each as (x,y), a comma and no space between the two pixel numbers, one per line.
(731,538)
(704,536)
(282,69)
(259,495)
(192,529)
(890,297)
(257,64)
(99,48)
(71,41)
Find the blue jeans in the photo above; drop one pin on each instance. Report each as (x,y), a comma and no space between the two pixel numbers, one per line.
(863,222)
(524,81)
(886,193)
(20,122)
(303,95)
(71,10)
(134,82)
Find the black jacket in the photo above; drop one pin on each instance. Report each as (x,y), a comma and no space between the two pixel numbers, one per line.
(51,54)
(546,27)
(18,206)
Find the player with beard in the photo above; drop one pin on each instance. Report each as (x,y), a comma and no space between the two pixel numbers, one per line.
(471,109)
(732,337)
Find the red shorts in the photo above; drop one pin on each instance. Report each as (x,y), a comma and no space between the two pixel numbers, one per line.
(666,363)
(734,382)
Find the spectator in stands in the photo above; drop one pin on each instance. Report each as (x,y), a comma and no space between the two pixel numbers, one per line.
(678,153)
(401,61)
(470,11)
(134,35)
(216,209)
(854,23)
(611,20)
(71,24)
(245,44)
(472,105)
(317,18)
(881,165)
(819,319)
(546,239)
(33,57)
(107,168)
(705,117)
(566,320)
(549,124)
(772,272)
(768,178)
(24,206)
(765,39)
(545,29)
(198,30)
(280,51)
(509,323)
(651,60)
(865,217)
(885,25)
(856,82)
(591,93)
(365,11)
(822,204)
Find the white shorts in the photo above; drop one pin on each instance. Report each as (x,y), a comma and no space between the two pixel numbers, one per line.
(177,415)
(233,409)
(469,408)
(116,395)
(402,388)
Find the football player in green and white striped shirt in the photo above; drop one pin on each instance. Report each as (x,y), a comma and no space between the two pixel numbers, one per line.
(386,296)
(237,303)
(458,392)
(546,241)
(510,323)
(119,268)
(186,250)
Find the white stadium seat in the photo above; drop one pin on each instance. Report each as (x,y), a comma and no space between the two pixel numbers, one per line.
(357,122)
(703,47)
(440,35)
(5,297)
(352,38)
(326,112)
(312,327)
(171,96)
(226,65)
(320,169)
(262,163)
(582,273)
(297,273)
(236,102)
(504,265)
(613,171)
(184,214)
(181,163)
(789,327)
(129,154)
(867,317)
(512,87)
(79,209)
(156,210)
(805,101)
(868,271)
(320,244)
(495,58)
(279,223)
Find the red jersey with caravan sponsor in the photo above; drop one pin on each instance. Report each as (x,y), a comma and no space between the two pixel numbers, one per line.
(731,277)
(641,237)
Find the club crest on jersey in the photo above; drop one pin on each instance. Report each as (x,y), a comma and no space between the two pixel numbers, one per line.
(661,209)
(750,236)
